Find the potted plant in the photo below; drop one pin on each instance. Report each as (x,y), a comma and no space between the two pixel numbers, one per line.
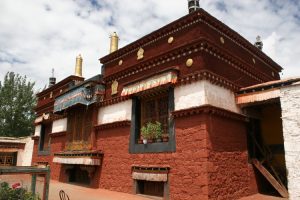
(144,134)
(151,131)
(158,131)
(140,140)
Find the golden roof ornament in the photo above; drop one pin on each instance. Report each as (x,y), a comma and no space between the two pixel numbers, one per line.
(78,66)
(114,42)
(114,87)
(140,54)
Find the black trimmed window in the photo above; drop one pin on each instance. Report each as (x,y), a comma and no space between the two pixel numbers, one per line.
(44,143)
(151,106)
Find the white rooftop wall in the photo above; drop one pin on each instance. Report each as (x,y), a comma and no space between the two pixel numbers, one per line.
(202,93)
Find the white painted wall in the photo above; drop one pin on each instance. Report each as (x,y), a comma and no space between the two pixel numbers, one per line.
(116,112)
(24,156)
(290,106)
(37,130)
(203,92)
(59,125)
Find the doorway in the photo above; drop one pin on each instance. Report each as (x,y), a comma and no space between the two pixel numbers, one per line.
(78,176)
(266,148)
(151,188)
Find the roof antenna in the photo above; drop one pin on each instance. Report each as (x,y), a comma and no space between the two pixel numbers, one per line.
(193,5)
(52,79)
(259,44)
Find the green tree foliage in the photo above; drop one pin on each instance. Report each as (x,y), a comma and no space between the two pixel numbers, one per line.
(17,100)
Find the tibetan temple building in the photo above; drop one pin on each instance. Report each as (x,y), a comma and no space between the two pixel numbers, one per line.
(190,111)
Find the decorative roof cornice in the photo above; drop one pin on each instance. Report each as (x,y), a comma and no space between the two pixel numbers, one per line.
(113,101)
(209,110)
(60,84)
(200,45)
(44,106)
(211,77)
(112,125)
(200,16)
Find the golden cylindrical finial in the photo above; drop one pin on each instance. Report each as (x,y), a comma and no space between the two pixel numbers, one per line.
(78,66)
(114,40)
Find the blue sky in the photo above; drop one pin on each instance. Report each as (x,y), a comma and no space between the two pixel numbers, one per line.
(36,36)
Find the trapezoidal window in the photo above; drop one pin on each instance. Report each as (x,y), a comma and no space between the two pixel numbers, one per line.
(44,144)
(153,107)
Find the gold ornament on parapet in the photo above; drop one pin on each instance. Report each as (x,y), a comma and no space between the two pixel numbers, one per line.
(222,40)
(120,62)
(114,87)
(140,54)
(189,62)
(170,40)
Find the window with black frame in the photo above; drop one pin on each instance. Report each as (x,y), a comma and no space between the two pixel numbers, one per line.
(152,126)
(44,143)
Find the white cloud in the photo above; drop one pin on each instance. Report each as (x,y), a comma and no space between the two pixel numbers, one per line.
(271,43)
(36,36)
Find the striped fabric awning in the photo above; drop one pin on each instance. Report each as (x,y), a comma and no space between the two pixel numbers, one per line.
(77,161)
(152,82)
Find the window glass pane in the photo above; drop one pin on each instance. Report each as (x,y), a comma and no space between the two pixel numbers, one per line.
(154,107)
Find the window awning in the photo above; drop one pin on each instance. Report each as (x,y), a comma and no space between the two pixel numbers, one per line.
(152,82)
(41,118)
(77,161)
(77,96)
(78,157)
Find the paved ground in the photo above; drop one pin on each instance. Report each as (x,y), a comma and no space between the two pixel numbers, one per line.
(76,192)
(83,193)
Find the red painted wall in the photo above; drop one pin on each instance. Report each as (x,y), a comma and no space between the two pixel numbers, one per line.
(57,144)
(210,161)
(188,171)
(229,172)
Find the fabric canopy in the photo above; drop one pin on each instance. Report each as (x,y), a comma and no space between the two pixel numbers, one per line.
(76,96)
(77,161)
(152,82)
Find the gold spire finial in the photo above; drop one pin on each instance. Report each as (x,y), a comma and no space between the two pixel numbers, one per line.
(78,66)
(114,40)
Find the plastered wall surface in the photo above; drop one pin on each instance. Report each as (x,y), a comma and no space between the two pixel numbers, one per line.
(290,105)
(203,92)
(185,96)
(59,125)
(114,113)
(37,130)
(24,156)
